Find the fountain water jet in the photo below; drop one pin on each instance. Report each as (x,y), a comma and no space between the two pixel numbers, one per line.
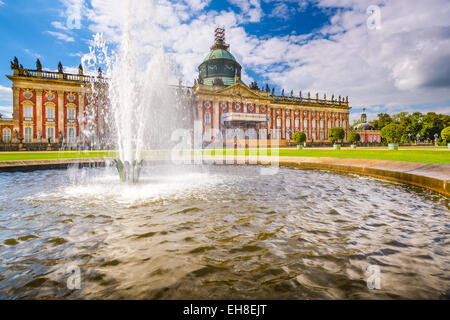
(143,105)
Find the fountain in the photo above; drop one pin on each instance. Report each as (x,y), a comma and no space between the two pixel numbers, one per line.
(139,96)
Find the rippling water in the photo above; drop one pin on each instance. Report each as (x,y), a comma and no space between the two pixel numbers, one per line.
(223,232)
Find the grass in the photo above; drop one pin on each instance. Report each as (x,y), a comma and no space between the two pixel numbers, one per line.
(40,155)
(425,155)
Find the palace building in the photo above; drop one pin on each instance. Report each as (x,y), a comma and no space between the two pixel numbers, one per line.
(54,107)
(367,132)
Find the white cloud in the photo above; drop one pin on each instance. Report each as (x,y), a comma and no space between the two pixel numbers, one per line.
(251,10)
(5,94)
(61,36)
(404,63)
(1,3)
(59,25)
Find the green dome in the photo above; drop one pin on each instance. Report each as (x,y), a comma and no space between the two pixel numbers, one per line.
(219,54)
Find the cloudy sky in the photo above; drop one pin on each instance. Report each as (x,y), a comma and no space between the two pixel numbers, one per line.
(387,56)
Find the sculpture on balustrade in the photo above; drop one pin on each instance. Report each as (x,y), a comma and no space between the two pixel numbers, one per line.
(80,70)
(267,88)
(332,97)
(282,93)
(100,72)
(15,63)
(254,86)
(273,91)
(38,65)
(300,94)
(292,93)
(317,96)
(324,96)
(309,95)
(60,67)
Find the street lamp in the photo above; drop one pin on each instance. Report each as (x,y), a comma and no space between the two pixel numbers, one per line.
(418,138)
(409,137)
(436,136)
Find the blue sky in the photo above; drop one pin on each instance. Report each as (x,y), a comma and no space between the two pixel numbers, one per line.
(323,46)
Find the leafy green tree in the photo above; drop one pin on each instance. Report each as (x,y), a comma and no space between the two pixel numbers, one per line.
(383,120)
(354,137)
(299,137)
(445,134)
(433,123)
(392,133)
(335,134)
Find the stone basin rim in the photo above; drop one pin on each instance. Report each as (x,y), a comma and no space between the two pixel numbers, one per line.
(432,176)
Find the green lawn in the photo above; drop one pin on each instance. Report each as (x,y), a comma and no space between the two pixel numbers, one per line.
(39,155)
(422,155)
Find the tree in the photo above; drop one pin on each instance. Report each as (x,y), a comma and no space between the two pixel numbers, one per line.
(335,134)
(354,137)
(392,133)
(299,137)
(445,134)
(383,120)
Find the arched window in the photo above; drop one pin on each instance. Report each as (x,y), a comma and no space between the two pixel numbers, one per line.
(28,134)
(207,119)
(6,135)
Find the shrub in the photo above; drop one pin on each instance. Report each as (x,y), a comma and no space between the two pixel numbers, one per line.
(335,134)
(392,133)
(445,134)
(354,137)
(299,137)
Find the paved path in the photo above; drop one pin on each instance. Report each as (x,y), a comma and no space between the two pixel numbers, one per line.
(429,175)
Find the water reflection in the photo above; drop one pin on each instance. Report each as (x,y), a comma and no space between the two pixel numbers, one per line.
(220,232)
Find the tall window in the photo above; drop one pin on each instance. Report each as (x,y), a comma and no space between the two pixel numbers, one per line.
(207,118)
(71,135)
(321,124)
(28,134)
(51,134)
(344,123)
(314,135)
(71,114)
(297,123)
(6,135)
(28,112)
(321,135)
(50,113)
(278,123)
(305,125)
(329,124)
(314,124)
(288,123)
